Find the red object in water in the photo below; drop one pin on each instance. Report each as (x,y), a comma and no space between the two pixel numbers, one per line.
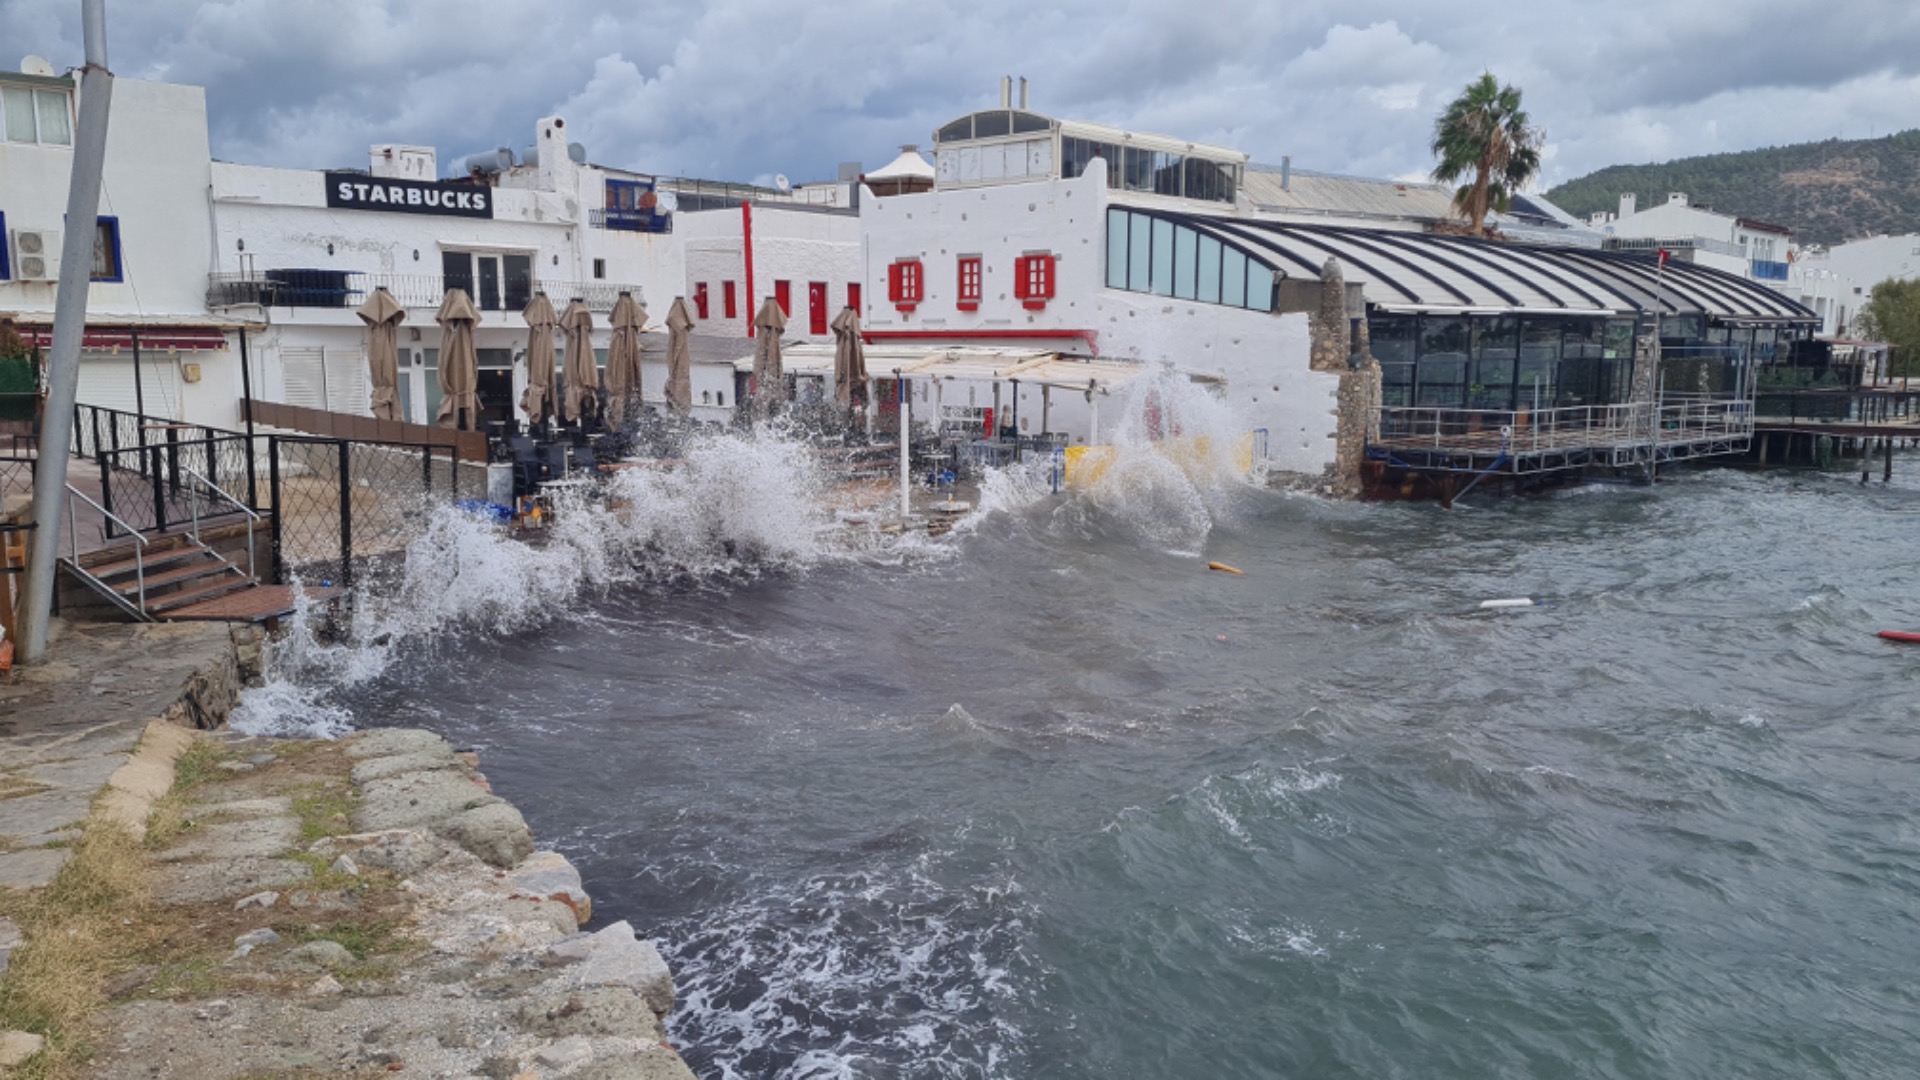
(1911,637)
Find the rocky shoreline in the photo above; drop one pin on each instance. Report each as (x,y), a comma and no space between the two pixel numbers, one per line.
(363,907)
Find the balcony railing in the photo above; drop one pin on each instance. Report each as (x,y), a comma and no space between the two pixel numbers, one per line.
(1769,271)
(349,288)
(1652,244)
(630,221)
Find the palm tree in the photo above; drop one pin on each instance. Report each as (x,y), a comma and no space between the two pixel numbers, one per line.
(1485,133)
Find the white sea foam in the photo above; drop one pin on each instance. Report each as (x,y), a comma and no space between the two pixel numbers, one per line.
(733,504)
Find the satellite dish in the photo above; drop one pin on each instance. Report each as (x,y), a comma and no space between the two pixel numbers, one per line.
(36,65)
(780,181)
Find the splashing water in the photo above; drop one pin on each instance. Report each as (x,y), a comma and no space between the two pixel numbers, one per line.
(1180,463)
(733,505)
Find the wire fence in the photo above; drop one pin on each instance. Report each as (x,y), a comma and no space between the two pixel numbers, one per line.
(338,501)
(153,487)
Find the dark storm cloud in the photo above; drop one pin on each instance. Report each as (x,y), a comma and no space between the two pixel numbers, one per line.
(745,88)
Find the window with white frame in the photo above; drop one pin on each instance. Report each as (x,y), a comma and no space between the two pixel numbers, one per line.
(38,115)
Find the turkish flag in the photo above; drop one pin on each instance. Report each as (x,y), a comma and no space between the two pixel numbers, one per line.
(1663,256)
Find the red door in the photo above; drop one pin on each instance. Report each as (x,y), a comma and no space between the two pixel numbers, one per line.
(853,298)
(817,308)
(783,295)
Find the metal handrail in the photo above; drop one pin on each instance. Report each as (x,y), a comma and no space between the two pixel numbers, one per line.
(215,489)
(73,546)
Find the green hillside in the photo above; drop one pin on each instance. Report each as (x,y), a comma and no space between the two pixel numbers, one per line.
(1827,192)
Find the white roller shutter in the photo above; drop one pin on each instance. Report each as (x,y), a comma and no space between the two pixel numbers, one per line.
(346,371)
(303,369)
(107,380)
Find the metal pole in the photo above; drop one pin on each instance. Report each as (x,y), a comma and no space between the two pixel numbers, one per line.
(139,391)
(69,322)
(246,407)
(346,514)
(906,424)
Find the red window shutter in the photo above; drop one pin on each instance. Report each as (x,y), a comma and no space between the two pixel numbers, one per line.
(726,298)
(1047,263)
(1036,281)
(1020,272)
(783,295)
(893,282)
(853,297)
(969,282)
(700,300)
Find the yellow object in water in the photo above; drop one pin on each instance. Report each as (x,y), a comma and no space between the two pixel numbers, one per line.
(1087,465)
(1224,568)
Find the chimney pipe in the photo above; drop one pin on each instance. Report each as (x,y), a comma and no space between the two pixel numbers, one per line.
(1286,172)
(1006,91)
(1023,91)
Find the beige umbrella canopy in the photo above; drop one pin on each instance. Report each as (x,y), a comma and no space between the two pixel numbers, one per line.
(537,401)
(583,372)
(849,359)
(383,315)
(623,357)
(769,379)
(679,357)
(459,366)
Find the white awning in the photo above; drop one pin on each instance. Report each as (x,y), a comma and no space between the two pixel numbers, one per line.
(1030,367)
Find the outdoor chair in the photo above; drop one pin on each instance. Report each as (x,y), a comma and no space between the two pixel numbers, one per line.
(554,458)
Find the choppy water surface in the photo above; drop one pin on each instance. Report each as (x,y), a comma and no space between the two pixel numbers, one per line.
(1051,801)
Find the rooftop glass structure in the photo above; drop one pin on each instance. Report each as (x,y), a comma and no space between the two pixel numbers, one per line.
(997,146)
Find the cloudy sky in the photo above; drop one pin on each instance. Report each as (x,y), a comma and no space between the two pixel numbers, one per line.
(741,89)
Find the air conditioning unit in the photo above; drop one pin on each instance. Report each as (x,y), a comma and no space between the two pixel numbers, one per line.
(36,254)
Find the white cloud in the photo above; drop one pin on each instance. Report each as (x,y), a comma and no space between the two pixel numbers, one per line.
(738,88)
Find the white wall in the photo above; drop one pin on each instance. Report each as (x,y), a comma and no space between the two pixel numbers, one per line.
(798,246)
(1263,357)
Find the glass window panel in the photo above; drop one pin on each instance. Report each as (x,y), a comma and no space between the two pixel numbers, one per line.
(1139,170)
(1443,337)
(404,384)
(1540,340)
(988,124)
(1442,380)
(106,250)
(1396,384)
(1166,174)
(1393,339)
(1233,278)
(1117,249)
(1259,286)
(1209,280)
(1139,248)
(1185,262)
(19,103)
(432,382)
(55,126)
(1162,284)
(1024,122)
(1619,340)
(1496,338)
(959,129)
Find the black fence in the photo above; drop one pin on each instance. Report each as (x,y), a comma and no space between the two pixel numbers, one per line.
(336,501)
(171,482)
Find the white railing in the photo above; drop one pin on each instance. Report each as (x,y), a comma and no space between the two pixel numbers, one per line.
(1678,419)
(213,491)
(139,607)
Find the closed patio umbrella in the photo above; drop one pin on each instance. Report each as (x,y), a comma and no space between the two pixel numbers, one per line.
(769,380)
(679,357)
(583,373)
(849,359)
(623,358)
(383,315)
(459,366)
(537,401)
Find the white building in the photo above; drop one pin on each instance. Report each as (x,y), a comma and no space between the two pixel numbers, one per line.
(152,242)
(1756,250)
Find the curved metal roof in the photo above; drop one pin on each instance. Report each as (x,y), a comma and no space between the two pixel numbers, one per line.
(1406,271)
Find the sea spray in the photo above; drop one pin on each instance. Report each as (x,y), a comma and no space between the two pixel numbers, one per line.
(733,504)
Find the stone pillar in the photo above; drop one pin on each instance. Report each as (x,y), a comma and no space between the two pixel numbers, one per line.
(1332,344)
(1358,415)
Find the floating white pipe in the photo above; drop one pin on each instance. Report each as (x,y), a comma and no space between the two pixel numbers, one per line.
(1499,605)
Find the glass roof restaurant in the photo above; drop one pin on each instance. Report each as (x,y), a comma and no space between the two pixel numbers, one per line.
(1465,328)
(1010,145)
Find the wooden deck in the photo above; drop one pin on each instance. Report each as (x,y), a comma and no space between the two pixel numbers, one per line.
(261,603)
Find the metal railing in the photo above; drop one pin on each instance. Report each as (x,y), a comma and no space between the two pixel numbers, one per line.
(416,291)
(214,490)
(149,485)
(1677,419)
(338,501)
(630,221)
(139,608)
(1652,244)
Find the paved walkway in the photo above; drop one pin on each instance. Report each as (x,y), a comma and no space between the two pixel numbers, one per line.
(68,725)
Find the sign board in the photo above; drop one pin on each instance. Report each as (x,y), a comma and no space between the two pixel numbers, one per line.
(358,191)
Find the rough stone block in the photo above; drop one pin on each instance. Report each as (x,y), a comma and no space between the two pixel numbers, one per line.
(614,957)
(387,742)
(547,875)
(325,955)
(235,839)
(605,1010)
(404,852)
(191,882)
(495,833)
(32,868)
(17,1046)
(380,768)
(415,799)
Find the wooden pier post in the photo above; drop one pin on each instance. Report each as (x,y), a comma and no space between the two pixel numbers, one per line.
(1886,445)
